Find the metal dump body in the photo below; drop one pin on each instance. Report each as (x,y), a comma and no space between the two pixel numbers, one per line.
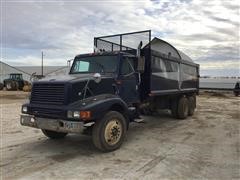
(172,71)
(167,70)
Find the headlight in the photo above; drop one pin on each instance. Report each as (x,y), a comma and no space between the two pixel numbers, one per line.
(73,114)
(76,114)
(24,109)
(70,114)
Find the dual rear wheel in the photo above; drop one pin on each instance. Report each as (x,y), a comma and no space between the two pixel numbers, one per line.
(183,107)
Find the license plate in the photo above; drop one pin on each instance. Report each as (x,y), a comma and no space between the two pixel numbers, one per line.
(71,125)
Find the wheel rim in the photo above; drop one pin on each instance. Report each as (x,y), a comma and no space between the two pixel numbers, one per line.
(113,132)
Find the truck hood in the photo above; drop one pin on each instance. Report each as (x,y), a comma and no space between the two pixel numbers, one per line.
(63,90)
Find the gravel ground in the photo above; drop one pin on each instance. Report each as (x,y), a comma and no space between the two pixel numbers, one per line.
(205,146)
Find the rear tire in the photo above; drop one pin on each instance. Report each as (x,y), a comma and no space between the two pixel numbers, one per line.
(191,105)
(109,132)
(183,108)
(10,85)
(54,134)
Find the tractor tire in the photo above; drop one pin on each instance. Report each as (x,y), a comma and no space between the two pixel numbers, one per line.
(27,88)
(183,108)
(191,105)
(1,86)
(109,132)
(11,85)
(54,134)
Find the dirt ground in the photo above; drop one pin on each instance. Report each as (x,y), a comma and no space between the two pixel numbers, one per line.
(205,146)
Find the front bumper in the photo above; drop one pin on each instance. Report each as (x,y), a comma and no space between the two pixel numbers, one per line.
(57,125)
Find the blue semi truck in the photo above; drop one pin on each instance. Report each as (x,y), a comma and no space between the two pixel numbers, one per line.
(126,75)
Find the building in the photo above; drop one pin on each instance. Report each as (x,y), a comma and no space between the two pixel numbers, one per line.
(27,71)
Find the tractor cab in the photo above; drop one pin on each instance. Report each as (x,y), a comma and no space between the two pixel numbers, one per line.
(16,76)
(14,82)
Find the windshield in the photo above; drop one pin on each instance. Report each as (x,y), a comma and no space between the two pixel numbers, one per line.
(95,64)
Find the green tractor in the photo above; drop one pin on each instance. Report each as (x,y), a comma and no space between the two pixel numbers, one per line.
(14,82)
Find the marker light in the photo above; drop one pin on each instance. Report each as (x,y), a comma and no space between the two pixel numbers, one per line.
(85,114)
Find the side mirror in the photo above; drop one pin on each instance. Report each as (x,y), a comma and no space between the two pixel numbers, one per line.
(141,64)
(97,77)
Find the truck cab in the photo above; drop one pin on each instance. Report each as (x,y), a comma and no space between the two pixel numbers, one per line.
(117,72)
(98,85)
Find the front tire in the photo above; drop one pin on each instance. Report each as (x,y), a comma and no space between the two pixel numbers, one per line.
(54,134)
(109,132)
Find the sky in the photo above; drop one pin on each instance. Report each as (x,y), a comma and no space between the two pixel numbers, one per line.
(206,30)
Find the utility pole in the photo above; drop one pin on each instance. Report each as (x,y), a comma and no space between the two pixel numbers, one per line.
(42,63)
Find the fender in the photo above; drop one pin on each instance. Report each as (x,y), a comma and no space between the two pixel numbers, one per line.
(99,105)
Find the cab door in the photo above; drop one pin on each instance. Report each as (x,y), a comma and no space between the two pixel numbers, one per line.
(128,89)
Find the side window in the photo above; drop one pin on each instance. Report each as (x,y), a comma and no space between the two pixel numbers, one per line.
(127,66)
